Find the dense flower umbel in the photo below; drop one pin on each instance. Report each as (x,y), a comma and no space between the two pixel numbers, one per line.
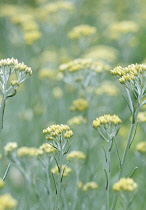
(108,125)
(47,148)
(10,68)
(126,184)
(141,147)
(133,77)
(7,202)
(56,131)
(27,151)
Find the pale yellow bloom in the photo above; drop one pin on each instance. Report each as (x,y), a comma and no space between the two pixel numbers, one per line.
(76,155)
(126,184)
(77,120)
(47,148)
(27,151)
(7,202)
(106,119)
(79,105)
(141,147)
(81,31)
(10,147)
(90,186)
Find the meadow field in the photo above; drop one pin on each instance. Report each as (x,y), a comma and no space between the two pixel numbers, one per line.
(72,105)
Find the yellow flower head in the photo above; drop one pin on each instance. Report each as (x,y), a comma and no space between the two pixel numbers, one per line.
(79,105)
(106,119)
(126,184)
(55,131)
(90,186)
(27,151)
(78,155)
(142,117)
(133,77)
(77,120)
(7,202)
(47,148)
(10,147)
(82,31)
(141,147)
(64,171)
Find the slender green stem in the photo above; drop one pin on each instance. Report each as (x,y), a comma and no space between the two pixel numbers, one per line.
(2,109)
(108,157)
(76,187)
(129,141)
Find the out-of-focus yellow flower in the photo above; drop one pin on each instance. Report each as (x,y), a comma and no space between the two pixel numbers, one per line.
(79,105)
(1,183)
(107,88)
(10,147)
(90,186)
(7,202)
(57,92)
(124,27)
(81,31)
(126,184)
(27,151)
(142,117)
(102,52)
(141,147)
(47,73)
(47,148)
(80,185)
(31,36)
(78,155)
(65,170)
(77,120)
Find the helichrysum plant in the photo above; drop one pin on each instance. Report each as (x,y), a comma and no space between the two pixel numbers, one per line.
(107,126)
(12,74)
(58,136)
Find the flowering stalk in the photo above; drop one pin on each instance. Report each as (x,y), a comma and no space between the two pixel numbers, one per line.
(107,127)
(133,78)
(58,136)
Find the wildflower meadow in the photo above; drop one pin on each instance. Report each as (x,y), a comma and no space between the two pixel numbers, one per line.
(72,105)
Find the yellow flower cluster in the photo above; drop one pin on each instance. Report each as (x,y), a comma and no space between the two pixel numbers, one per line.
(51,10)
(77,120)
(27,151)
(65,170)
(106,119)
(122,27)
(55,131)
(10,147)
(76,155)
(133,74)
(141,147)
(90,186)
(7,202)
(81,64)
(10,68)
(1,183)
(104,53)
(79,105)
(107,88)
(126,184)
(25,19)
(47,73)
(142,117)
(47,148)
(81,31)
